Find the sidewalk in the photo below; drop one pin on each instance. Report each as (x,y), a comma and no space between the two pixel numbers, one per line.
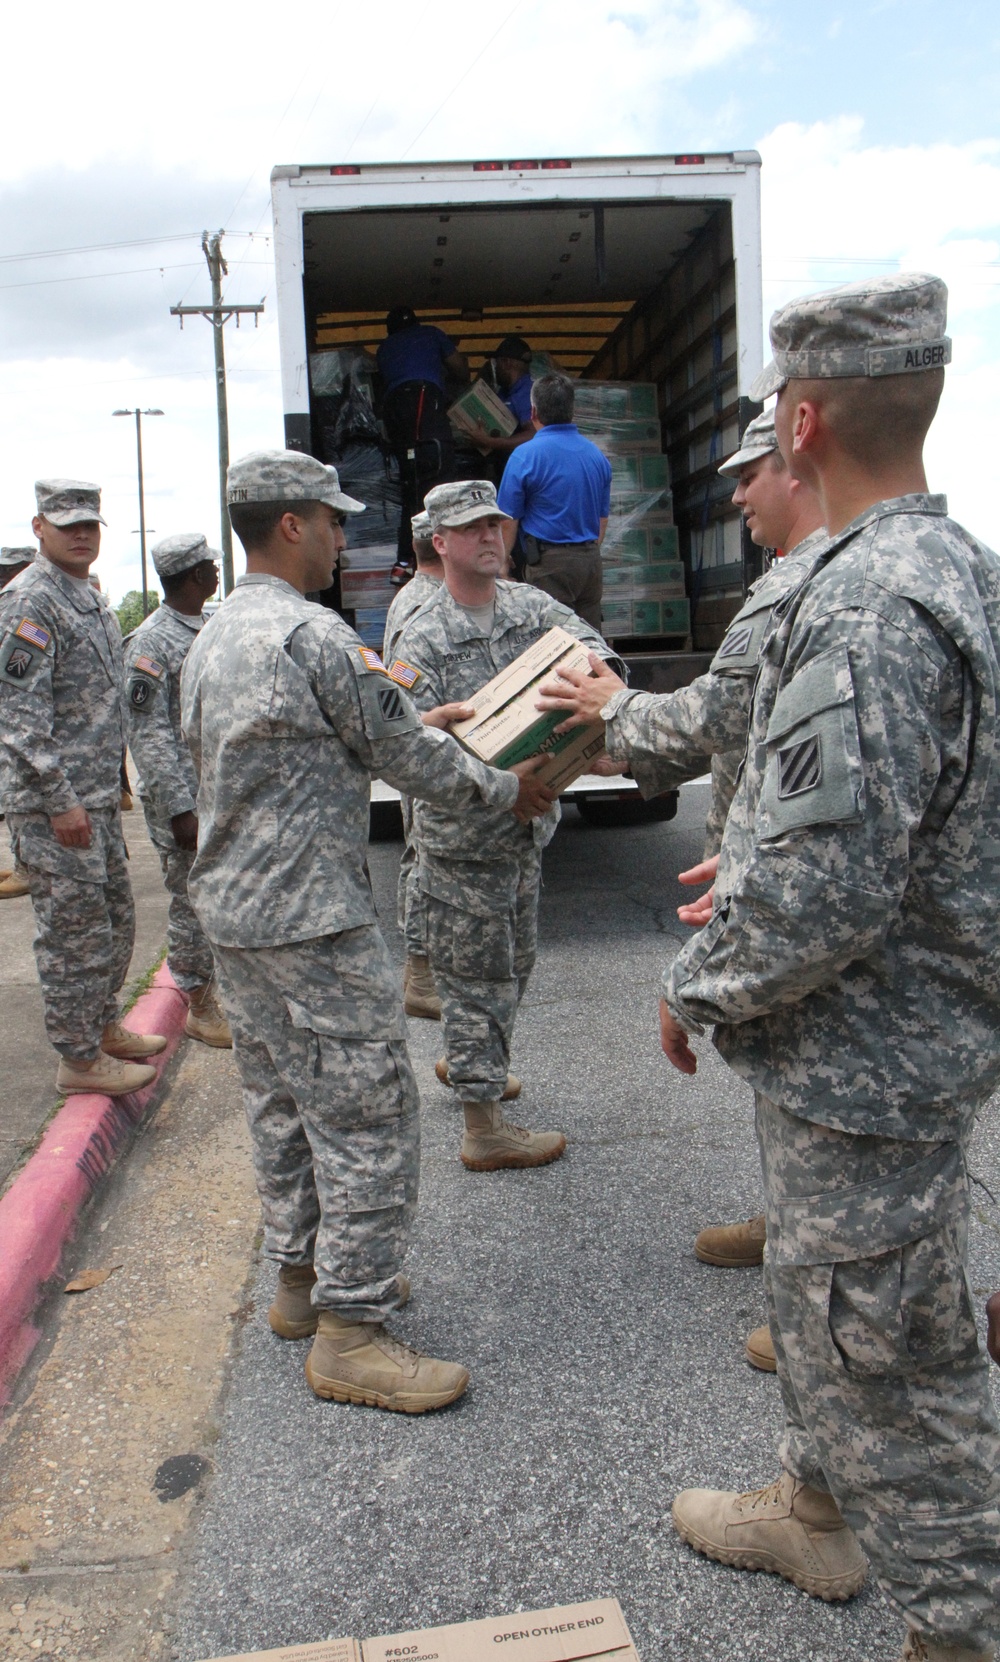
(27,1061)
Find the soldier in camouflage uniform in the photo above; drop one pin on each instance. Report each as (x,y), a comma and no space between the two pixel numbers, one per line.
(13,880)
(63,736)
(851,974)
(419,992)
(666,739)
(288,716)
(154,655)
(478,872)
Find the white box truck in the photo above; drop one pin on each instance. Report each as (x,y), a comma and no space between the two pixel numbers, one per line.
(633,269)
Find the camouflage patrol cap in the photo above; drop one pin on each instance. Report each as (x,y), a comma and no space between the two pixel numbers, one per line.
(17,556)
(286,476)
(68,501)
(759,439)
(420,525)
(461,503)
(886,326)
(181,552)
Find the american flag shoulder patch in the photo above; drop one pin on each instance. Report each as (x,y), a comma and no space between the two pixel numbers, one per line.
(370,658)
(149,666)
(404,674)
(33,632)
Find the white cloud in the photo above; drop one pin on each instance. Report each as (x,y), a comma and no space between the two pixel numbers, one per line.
(837,210)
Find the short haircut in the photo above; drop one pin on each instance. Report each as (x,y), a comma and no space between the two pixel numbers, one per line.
(427,554)
(876,419)
(175,582)
(552,396)
(778,463)
(255,522)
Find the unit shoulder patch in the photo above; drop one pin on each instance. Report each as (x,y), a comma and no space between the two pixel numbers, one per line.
(18,661)
(800,767)
(737,642)
(371,660)
(404,674)
(33,632)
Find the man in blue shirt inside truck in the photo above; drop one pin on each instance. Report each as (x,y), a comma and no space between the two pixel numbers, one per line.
(413,362)
(557,491)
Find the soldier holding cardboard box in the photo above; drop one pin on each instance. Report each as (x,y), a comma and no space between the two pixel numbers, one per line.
(479,878)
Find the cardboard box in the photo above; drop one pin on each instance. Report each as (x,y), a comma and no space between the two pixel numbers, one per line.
(616,617)
(381,556)
(636,471)
(592,1632)
(648,582)
(481,404)
(616,400)
(366,588)
(369,623)
(641,544)
(627,434)
(321,1650)
(507,728)
(661,617)
(587,1632)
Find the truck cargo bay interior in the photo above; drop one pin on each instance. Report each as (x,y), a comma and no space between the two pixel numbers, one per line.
(638,290)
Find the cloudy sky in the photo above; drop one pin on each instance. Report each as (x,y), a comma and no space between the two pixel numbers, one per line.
(127,130)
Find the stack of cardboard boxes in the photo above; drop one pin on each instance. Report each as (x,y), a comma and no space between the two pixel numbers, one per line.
(644,588)
(365,589)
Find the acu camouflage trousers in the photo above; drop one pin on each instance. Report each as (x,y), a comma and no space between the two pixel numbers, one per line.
(332,1106)
(883,1378)
(189,955)
(85,923)
(481,923)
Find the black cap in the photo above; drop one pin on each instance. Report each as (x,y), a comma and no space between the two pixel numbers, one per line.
(400,317)
(512,346)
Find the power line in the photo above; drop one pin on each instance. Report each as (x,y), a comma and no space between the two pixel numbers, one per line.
(103,247)
(95,276)
(463,77)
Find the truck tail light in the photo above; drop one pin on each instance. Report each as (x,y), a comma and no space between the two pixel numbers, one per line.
(487,167)
(550,165)
(344,168)
(689,161)
(522,167)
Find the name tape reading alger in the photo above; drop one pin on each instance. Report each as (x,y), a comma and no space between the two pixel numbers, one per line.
(592,1632)
(507,728)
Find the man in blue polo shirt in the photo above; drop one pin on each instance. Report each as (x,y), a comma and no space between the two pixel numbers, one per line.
(557,491)
(512,368)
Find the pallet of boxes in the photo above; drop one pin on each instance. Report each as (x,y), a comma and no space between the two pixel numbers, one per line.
(645,595)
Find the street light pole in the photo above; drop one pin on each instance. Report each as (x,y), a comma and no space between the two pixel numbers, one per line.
(142,499)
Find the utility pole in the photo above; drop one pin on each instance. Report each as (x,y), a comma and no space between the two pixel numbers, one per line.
(142,498)
(218,314)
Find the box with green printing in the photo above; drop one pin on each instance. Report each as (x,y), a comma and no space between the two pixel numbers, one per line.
(636,471)
(661,617)
(508,727)
(614,436)
(616,400)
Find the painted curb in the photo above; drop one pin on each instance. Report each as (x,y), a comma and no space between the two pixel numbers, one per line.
(40,1210)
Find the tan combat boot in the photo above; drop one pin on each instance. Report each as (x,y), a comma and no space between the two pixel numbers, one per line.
(420,996)
(788,1529)
(760,1350)
(13,884)
(293,1314)
(205,1020)
(920,1647)
(732,1245)
(510,1090)
(107,1075)
(360,1362)
(118,1040)
(491,1144)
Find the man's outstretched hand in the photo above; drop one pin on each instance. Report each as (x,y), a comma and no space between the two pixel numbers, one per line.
(993,1327)
(444,714)
(581,697)
(533,799)
(674,1042)
(698,913)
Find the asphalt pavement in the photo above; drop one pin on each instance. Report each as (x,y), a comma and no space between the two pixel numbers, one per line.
(607,1368)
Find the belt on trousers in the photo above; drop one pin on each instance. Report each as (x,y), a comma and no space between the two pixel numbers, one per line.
(535,547)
